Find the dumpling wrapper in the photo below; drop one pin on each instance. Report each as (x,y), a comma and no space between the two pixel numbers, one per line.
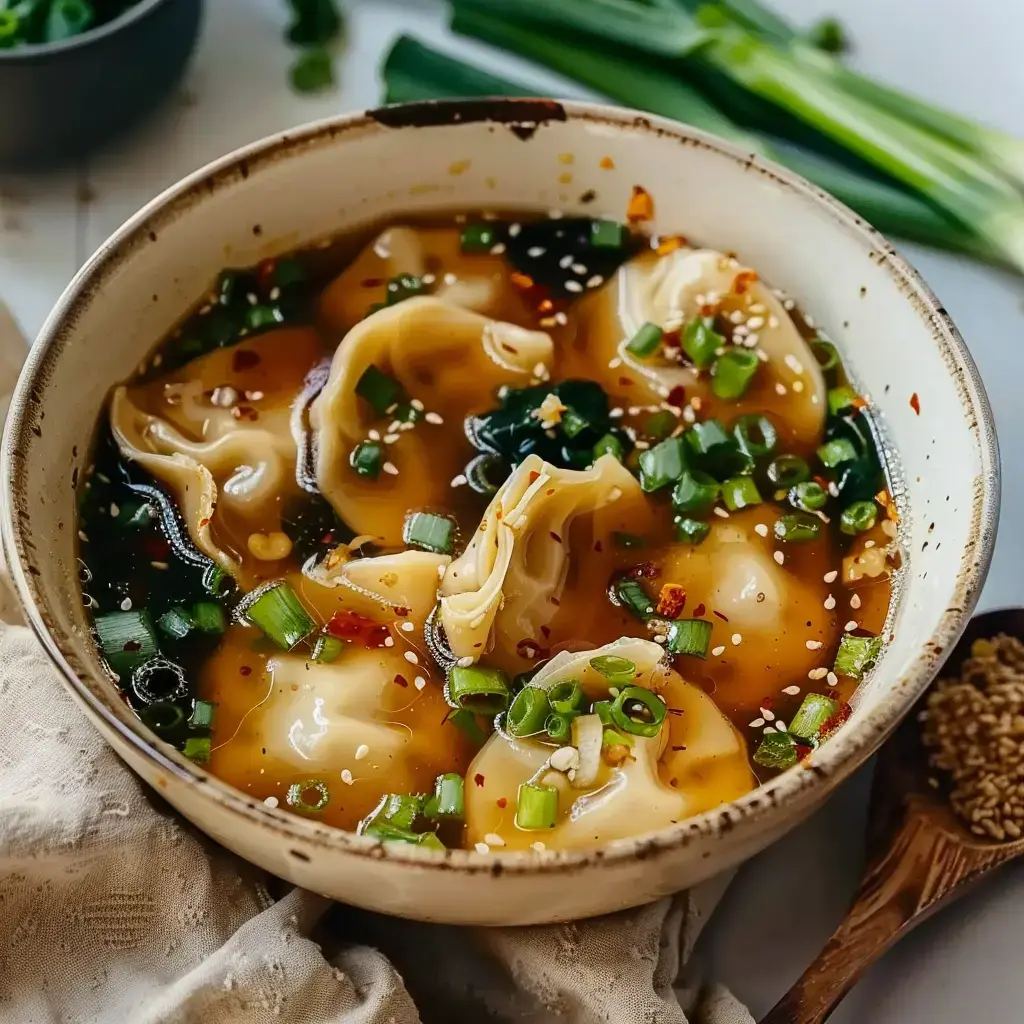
(449,359)
(697,762)
(668,290)
(499,592)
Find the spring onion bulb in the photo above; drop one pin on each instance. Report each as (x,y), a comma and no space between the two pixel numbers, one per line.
(587,738)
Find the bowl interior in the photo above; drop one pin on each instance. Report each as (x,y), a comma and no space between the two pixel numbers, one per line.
(318,181)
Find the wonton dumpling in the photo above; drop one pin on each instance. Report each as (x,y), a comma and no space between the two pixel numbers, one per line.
(670,289)
(499,592)
(697,762)
(449,359)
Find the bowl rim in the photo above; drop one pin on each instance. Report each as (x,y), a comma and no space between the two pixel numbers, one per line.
(37,51)
(801,787)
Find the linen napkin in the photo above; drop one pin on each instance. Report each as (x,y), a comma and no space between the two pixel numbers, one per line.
(114,909)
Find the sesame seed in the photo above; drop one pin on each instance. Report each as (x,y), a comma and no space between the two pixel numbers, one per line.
(389,641)
(830,577)
(271,802)
(361,751)
(798,386)
(659,638)
(614,364)
(493,839)
(781,726)
(462,662)
(761,530)
(535,251)
(538,846)
(737,639)
(390,438)
(721,512)
(868,544)
(616,414)
(390,468)
(449,279)
(251,298)
(817,673)
(595,282)
(435,418)
(791,691)
(126,604)
(411,657)
(779,557)
(160,565)
(428,279)
(769,729)
(850,626)
(374,435)
(514,229)
(419,682)
(830,603)
(498,250)
(719,651)
(82,536)
(832,679)
(793,363)
(768,716)
(579,268)
(755,322)
(855,601)
(814,645)
(573,286)
(482,848)
(114,511)
(780,388)
(788,305)
(756,723)
(346,776)
(416,404)
(408,627)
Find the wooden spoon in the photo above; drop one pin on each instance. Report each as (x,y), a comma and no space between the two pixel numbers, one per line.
(919,857)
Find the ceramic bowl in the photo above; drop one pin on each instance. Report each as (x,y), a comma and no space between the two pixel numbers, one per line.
(300,186)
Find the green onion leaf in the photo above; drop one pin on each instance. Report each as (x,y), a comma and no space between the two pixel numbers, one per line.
(573,423)
(402,287)
(690,531)
(312,71)
(208,617)
(536,807)
(327,648)
(609,445)
(756,435)
(630,594)
(808,496)
(127,640)
(740,492)
(663,464)
(639,712)
(465,721)
(202,715)
(478,238)
(837,451)
(377,388)
(367,459)
(559,726)
(777,750)
(449,800)
(646,341)
(841,398)
(566,697)
(688,636)
(429,532)
(483,691)
(695,494)
(165,718)
(618,671)
(67,18)
(276,609)
(528,712)
(701,342)
(175,622)
(733,372)
(614,738)
(660,424)
(812,714)
(157,680)
(858,517)
(716,451)
(857,654)
(197,748)
(826,354)
(311,795)
(788,470)
(606,234)
(798,527)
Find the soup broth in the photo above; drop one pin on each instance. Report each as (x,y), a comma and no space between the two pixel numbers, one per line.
(491,533)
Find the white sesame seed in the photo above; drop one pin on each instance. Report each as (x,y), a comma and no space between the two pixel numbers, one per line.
(565,262)
(756,723)
(482,848)
(361,751)
(459,481)
(573,286)
(428,279)
(737,639)
(798,386)
(390,438)
(390,468)
(275,294)
(830,603)
(82,536)
(832,679)
(780,388)
(579,268)
(868,544)
(346,777)
(114,510)
(768,716)
(614,364)
(850,626)
(830,577)
(718,651)
(410,656)
(789,305)
(408,626)
(761,530)
(462,662)
(791,691)
(855,601)
(419,682)
(126,604)
(498,249)
(833,489)
(514,229)
(769,729)
(538,846)
(435,418)
(493,839)
(595,281)
(374,435)
(779,557)
(389,641)
(721,512)
(817,673)
(251,298)
(160,565)
(441,569)
(755,323)
(449,279)
(659,638)
(814,645)
(793,363)
(561,318)
(271,801)
(781,725)
(535,251)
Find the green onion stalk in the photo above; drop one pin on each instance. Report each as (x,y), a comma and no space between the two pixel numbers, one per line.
(942,175)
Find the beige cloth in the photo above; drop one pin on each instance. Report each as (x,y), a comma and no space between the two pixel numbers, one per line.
(113,909)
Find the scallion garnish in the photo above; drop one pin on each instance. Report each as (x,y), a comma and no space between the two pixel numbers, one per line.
(740,492)
(639,711)
(566,697)
(449,798)
(478,238)
(716,451)
(483,691)
(367,459)
(701,342)
(733,372)
(690,531)
(646,341)
(608,445)
(826,354)
(573,423)
(159,680)
(857,654)
(327,648)
(536,807)
(465,721)
(276,609)
(558,726)
(127,639)
(618,671)
(198,749)
(613,738)
(528,712)
(858,517)
(776,750)
(402,287)
(429,532)
(815,710)
(809,496)
(797,527)
(202,715)
(176,622)
(166,719)
(629,593)
(695,494)
(756,435)
(788,470)
(688,636)
(208,617)
(377,388)
(606,234)
(837,451)
(660,424)
(841,398)
(662,464)
(311,795)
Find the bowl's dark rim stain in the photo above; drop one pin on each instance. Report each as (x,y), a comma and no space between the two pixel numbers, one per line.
(800,787)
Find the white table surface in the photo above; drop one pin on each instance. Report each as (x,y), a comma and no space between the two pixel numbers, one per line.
(966,963)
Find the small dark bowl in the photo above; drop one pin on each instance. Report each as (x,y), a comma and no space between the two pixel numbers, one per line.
(66,99)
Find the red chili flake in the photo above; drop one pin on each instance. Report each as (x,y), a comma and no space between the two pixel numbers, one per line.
(244,359)
(767,702)
(672,339)
(401,611)
(831,725)
(606,163)
(671,601)
(204,522)
(264,273)
(478,779)
(915,403)
(860,403)
(802,751)
(508,348)
(645,571)
(502,802)
(555,537)
(598,546)
(246,412)
(533,475)
(245,670)
(554,600)
(374,282)
(625,382)
(677,396)
(724,618)
(156,548)
(549,492)
(698,611)
(546,306)
(353,626)
(743,280)
(521,280)
(401,680)
(640,206)
(670,243)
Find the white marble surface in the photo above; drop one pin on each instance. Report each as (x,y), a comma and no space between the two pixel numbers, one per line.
(964,964)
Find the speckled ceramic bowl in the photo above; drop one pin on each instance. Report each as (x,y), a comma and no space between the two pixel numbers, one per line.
(293,189)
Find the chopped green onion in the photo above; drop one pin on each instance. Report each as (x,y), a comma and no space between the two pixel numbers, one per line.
(841,398)
(797,527)
(258,317)
(812,714)
(603,710)
(606,234)
(138,515)
(395,810)
(377,388)
(165,718)
(777,750)
(858,517)
(175,622)
(209,617)
(828,34)
(573,423)
(690,531)
(662,464)
(449,799)
(695,494)
(213,579)
(408,413)
(402,287)
(837,451)
(430,841)
(628,541)
(327,648)
(661,424)
(536,807)
(614,738)
(67,18)
(312,70)
(158,680)
(646,341)
(127,639)
(276,609)
(756,435)
(701,342)
(566,697)
(465,721)
(608,445)
(688,636)
(733,372)
(787,471)
(288,272)
(10,25)
(857,654)
(639,711)
(826,354)
(367,459)
(809,496)
(618,671)
(716,451)
(558,726)
(528,712)
(478,238)
(202,715)
(740,492)
(483,691)
(297,795)
(429,532)
(629,593)
(197,748)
